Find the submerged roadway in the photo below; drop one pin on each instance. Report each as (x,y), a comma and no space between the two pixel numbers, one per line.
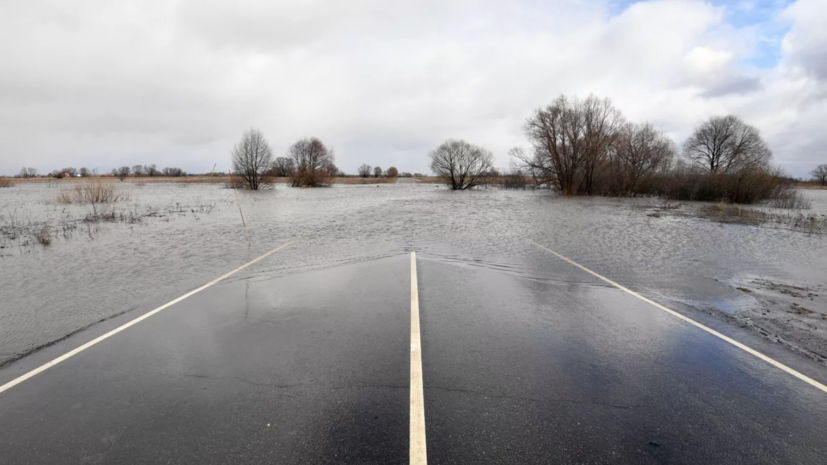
(324,367)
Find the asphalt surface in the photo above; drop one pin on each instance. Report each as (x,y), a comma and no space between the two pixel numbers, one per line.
(314,368)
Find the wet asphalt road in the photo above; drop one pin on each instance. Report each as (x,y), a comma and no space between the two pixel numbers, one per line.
(314,368)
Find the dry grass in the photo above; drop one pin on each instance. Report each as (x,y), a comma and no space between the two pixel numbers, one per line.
(811,223)
(44,237)
(90,193)
(429,179)
(809,185)
(6,182)
(358,180)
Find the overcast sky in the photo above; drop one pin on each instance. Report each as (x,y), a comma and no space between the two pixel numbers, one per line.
(105,83)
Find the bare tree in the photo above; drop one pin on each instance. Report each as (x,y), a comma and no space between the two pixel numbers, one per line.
(640,152)
(173,172)
(28,173)
(252,158)
(284,167)
(727,145)
(364,170)
(138,170)
(312,161)
(151,170)
(377,171)
(820,174)
(571,140)
(84,172)
(460,164)
(392,172)
(121,173)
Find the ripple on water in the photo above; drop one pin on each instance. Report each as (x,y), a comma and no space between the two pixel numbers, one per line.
(105,269)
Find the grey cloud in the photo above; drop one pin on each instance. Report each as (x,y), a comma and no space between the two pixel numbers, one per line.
(805,45)
(814,60)
(734,85)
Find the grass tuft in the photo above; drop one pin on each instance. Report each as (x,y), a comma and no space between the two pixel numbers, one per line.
(90,193)
(44,237)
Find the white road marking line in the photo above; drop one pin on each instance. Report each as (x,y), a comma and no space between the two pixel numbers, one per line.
(418,453)
(115,331)
(709,330)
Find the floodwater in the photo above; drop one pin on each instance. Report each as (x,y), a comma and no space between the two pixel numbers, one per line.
(184,235)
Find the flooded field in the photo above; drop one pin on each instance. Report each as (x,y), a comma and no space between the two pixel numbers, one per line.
(169,238)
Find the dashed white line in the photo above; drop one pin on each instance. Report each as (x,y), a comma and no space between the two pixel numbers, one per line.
(418,453)
(709,330)
(115,331)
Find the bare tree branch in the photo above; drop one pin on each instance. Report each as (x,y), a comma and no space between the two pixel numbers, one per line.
(820,174)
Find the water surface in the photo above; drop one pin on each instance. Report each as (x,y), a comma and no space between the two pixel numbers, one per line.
(194,233)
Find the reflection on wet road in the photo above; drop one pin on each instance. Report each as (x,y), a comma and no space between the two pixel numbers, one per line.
(547,371)
(313,368)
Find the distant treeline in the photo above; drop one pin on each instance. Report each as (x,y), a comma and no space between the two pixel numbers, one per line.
(121,173)
(282,167)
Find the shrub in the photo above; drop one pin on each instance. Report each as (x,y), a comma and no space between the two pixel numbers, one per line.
(312,162)
(790,198)
(5,182)
(90,193)
(310,178)
(745,187)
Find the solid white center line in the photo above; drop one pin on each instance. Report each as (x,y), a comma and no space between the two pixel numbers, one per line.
(418,454)
(709,330)
(115,331)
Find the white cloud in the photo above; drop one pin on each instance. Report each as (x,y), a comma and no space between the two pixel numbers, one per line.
(174,83)
(806,44)
(704,63)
